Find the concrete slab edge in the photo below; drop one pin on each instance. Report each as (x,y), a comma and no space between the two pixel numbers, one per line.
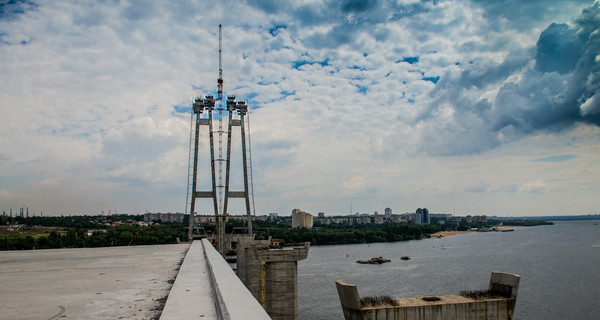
(191,296)
(233,300)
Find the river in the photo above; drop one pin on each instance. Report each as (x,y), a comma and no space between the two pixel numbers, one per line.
(559,267)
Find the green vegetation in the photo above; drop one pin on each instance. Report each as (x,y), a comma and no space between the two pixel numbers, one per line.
(120,230)
(336,233)
(85,231)
(527,223)
(490,224)
(344,233)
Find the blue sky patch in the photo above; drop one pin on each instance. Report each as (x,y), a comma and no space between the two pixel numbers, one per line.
(288,93)
(267,82)
(182,109)
(362,89)
(432,79)
(299,63)
(275,30)
(409,60)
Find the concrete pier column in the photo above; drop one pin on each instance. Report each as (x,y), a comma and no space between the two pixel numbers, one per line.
(281,297)
(248,265)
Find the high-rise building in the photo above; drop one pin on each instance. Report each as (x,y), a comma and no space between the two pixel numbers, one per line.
(387,213)
(419,216)
(301,219)
(422,216)
(321,215)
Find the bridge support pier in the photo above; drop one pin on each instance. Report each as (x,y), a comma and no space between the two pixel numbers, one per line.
(281,280)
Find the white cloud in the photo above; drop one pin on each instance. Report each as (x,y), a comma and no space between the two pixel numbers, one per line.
(88,92)
(591,106)
(537,186)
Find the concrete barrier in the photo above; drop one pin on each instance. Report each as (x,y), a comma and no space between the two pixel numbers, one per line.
(350,300)
(191,296)
(207,288)
(233,299)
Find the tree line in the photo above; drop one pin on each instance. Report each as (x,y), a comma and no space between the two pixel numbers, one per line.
(76,235)
(332,234)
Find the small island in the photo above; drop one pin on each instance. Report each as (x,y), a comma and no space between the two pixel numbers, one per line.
(377,260)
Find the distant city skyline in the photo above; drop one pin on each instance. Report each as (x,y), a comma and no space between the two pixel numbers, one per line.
(463,107)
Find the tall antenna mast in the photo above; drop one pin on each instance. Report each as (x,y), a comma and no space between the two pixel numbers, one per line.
(222,217)
(220,80)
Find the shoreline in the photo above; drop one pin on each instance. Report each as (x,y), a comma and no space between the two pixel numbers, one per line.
(444,234)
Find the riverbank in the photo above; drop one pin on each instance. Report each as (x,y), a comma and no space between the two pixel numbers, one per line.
(444,234)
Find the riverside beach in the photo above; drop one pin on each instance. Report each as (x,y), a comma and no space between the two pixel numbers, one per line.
(444,234)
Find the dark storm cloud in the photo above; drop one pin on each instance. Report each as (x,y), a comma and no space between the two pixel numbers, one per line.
(522,14)
(348,18)
(558,49)
(339,35)
(557,93)
(574,52)
(268,6)
(358,5)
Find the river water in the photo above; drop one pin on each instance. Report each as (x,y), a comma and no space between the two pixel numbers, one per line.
(559,267)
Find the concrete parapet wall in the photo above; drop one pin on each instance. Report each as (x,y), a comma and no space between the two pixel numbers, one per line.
(473,310)
(349,299)
(498,303)
(233,299)
(207,288)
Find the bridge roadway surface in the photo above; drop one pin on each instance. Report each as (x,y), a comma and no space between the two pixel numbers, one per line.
(123,283)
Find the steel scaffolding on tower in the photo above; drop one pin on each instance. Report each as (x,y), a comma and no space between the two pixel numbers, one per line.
(220,192)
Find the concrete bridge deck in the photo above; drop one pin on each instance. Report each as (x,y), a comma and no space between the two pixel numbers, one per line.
(123,283)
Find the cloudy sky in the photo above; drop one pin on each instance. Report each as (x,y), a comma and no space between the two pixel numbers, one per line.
(464,107)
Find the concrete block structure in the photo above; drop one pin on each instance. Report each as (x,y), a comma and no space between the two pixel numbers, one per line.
(498,302)
(248,265)
(279,274)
